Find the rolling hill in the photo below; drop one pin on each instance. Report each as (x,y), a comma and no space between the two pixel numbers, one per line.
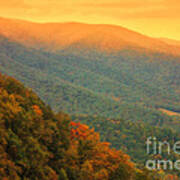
(57,36)
(104,70)
(170,41)
(120,82)
(37,144)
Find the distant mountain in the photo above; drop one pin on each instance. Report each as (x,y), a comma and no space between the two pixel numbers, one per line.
(170,41)
(56,36)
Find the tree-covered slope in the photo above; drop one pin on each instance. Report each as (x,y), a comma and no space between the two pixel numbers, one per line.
(129,84)
(37,144)
(131,137)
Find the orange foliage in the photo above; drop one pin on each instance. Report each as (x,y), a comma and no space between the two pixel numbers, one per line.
(78,130)
(101,157)
(37,110)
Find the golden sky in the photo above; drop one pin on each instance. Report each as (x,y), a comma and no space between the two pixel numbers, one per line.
(157,18)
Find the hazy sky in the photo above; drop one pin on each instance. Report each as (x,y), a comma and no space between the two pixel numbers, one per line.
(158,18)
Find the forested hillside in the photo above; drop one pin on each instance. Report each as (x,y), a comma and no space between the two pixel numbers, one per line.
(129,85)
(131,137)
(37,144)
(123,84)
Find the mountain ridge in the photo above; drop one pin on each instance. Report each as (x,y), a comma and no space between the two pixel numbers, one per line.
(171,41)
(57,36)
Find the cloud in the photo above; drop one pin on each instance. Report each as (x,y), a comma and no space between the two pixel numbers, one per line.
(13,4)
(117,9)
(125,5)
(135,8)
